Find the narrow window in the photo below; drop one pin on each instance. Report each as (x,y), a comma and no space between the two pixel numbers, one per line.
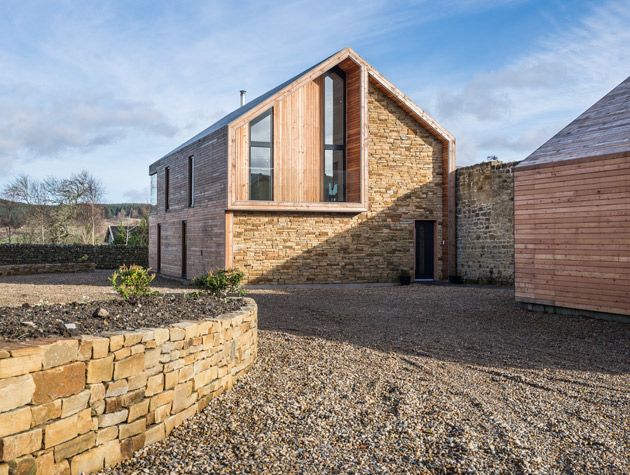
(167,181)
(154,189)
(184,250)
(261,157)
(158,264)
(334,98)
(191,181)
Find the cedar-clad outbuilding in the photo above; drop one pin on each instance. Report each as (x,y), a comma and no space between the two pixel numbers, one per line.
(572,214)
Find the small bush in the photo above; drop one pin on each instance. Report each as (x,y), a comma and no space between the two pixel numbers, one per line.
(221,283)
(132,282)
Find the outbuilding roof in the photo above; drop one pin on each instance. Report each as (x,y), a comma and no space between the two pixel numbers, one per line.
(603,130)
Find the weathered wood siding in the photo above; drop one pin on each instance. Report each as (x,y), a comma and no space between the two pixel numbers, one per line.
(205,221)
(572,235)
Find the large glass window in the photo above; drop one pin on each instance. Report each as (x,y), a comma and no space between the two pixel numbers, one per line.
(154,189)
(335,136)
(191,181)
(261,157)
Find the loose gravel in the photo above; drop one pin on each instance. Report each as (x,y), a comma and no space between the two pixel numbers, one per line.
(419,379)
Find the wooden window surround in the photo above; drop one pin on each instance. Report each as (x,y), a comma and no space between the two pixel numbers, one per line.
(299,144)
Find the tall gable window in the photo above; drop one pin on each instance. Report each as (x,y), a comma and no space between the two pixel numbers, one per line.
(191,181)
(167,187)
(261,157)
(334,136)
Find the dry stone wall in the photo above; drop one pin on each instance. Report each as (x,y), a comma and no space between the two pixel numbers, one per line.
(485,223)
(25,269)
(78,405)
(105,257)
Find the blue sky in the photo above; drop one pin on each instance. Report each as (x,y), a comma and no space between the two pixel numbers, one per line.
(112,86)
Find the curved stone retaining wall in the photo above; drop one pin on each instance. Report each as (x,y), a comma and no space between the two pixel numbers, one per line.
(78,405)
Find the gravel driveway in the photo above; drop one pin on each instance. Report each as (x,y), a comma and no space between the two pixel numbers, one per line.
(419,379)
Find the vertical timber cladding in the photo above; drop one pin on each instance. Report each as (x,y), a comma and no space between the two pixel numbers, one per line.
(572,234)
(407,181)
(205,221)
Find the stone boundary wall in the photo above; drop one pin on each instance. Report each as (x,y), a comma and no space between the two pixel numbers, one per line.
(104,256)
(485,223)
(79,405)
(25,269)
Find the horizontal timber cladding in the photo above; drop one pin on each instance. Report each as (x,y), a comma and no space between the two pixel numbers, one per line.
(572,235)
(205,221)
(406,183)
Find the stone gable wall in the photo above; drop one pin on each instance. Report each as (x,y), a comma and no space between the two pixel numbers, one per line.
(485,223)
(406,175)
(79,405)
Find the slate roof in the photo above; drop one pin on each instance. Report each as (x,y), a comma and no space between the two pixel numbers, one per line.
(604,129)
(235,114)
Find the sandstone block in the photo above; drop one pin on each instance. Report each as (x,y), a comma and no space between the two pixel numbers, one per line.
(131,429)
(117,388)
(138,381)
(161,399)
(116,341)
(97,392)
(135,349)
(182,397)
(132,366)
(161,413)
(4,469)
(113,453)
(45,463)
(133,338)
(171,379)
(155,384)
(155,434)
(185,373)
(100,345)
(100,370)
(58,382)
(14,446)
(22,466)
(161,335)
(151,358)
(138,410)
(15,421)
(122,354)
(90,461)
(106,434)
(106,420)
(19,365)
(59,353)
(177,334)
(65,429)
(73,404)
(205,377)
(16,392)
(131,445)
(46,412)
(75,446)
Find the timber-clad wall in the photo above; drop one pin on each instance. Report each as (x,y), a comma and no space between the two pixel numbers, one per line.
(406,183)
(205,222)
(572,234)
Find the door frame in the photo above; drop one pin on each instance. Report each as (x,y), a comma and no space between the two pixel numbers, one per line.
(435,249)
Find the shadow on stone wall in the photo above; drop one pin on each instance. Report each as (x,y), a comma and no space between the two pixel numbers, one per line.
(366,249)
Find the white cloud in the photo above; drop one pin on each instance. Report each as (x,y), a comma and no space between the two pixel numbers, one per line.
(513,110)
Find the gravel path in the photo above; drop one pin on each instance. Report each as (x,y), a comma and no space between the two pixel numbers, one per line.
(65,288)
(422,379)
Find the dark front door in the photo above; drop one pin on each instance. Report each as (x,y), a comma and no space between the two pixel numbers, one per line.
(424,249)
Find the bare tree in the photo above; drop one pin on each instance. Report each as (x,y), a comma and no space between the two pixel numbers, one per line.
(92,192)
(24,189)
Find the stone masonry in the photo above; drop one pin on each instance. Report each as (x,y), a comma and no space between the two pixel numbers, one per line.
(76,406)
(485,223)
(405,184)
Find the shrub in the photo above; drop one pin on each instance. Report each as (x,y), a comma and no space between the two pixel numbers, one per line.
(132,282)
(221,283)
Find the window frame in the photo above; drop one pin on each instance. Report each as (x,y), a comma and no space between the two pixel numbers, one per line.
(191,181)
(259,144)
(167,185)
(333,147)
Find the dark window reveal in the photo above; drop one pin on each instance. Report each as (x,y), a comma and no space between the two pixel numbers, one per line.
(167,181)
(334,136)
(191,181)
(261,157)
